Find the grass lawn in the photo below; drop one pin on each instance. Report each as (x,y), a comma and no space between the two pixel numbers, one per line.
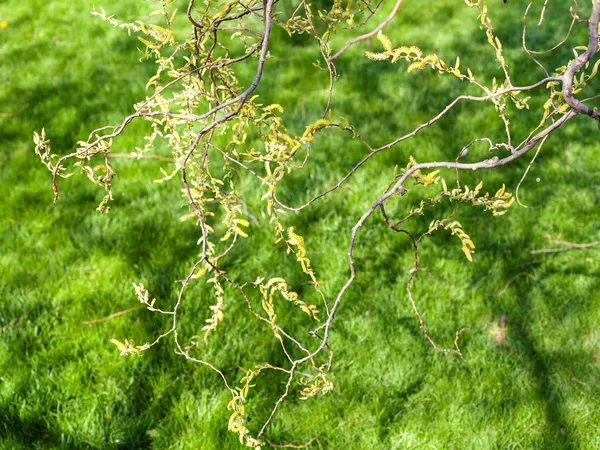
(64,385)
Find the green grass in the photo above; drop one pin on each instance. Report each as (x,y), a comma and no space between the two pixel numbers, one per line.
(63,385)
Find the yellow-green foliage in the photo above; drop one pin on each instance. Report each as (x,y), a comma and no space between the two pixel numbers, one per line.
(239,133)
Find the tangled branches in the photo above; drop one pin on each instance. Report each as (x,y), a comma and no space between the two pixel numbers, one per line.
(207,119)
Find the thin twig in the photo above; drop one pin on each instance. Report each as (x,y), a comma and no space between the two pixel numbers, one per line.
(136,156)
(6,115)
(11,324)
(566,246)
(291,445)
(368,35)
(500,293)
(112,316)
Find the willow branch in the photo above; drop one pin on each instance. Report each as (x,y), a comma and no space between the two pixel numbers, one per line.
(368,35)
(578,64)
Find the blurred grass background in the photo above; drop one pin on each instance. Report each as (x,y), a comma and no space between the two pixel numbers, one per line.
(63,385)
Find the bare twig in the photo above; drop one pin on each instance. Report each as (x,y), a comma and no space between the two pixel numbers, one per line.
(522,274)
(542,13)
(291,445)
(111,316)
(368,35)
(578,64)
(7,115)
(565,246)
(136,156)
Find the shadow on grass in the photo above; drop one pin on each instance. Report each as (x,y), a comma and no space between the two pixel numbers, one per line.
(557,429)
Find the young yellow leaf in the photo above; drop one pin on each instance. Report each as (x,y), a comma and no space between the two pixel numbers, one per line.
(377,56)
(239,231)
(242,222)
(387,44)
(595,69)
(467,253)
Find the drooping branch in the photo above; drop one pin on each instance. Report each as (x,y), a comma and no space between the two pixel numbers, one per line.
(194,103)
(368,35)
(580,62)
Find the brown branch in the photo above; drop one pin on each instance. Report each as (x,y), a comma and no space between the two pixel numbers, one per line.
(7,115)
(578,64)
(291,445)
(112,316)
(136,156)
